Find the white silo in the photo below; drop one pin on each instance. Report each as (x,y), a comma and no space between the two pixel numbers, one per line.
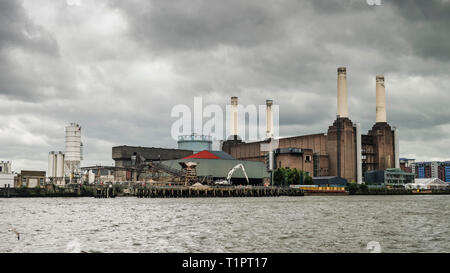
(73,154)
(51,164)
(59,165)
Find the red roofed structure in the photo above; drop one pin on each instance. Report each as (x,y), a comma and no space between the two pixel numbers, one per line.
(210,155)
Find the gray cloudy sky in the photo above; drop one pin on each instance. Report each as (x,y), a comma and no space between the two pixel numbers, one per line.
(118,67)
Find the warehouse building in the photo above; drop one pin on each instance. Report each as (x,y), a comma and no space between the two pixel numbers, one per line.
(216,165)
(132,163)
(342,151)
(31,179)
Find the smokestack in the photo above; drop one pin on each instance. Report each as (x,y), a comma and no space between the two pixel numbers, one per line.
(396,149)
(342,104)
(234,116)
(269,119)
(358,153)
(381,99)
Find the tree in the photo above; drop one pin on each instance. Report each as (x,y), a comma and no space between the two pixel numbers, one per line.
(278,177)
(352,188)
(308,181)
(293,176)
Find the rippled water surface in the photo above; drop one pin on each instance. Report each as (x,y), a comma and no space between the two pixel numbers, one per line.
(273,224)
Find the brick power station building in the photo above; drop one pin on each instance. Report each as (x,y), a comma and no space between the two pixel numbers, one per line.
(342,151)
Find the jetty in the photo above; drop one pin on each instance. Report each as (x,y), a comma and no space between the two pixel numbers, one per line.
(215,191)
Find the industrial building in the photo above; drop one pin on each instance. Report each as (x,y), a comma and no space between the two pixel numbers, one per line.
(342,151)
(432,169)
(98,174)
(65,167)
(195,143)
(388,177)
(6,175)
(133,163)
(161,165)
(216,165)
(31,179)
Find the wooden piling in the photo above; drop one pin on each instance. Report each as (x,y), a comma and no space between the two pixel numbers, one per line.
(183,192)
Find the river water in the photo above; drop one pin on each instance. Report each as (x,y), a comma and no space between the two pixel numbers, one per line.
(272,224)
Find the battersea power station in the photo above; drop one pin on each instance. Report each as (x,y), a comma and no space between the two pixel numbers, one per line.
(342,151)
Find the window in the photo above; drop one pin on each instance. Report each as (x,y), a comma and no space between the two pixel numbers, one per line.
(308,158)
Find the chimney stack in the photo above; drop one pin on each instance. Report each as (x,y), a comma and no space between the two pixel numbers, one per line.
(269,119)
(381,99)
(342,104)
(234,116)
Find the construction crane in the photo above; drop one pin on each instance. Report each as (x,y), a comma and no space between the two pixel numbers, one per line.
(227,181)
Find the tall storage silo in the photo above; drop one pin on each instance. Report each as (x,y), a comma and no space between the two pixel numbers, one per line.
(59,165)
(73,153)
(51,164)
(195,142)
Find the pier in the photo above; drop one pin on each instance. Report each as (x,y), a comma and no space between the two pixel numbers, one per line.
(183,192)
(104,191)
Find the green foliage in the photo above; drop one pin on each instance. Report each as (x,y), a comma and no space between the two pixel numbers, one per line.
(288,176)
(279,177)
(364,188)
(293,176)
(352,187)
(308,181)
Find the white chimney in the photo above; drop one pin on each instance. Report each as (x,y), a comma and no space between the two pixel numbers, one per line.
(269,119)
(234,116)
(381,99)
(342,107)
(358,153)
(396,149)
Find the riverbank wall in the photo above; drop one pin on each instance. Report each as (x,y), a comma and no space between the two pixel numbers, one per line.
(104,191)
(399,192)
(72,191)
(174,192)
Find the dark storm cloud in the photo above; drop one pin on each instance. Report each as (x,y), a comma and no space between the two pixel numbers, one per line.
(19,31)
(428,24)
(28,56)
(202,25)
(314,38)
